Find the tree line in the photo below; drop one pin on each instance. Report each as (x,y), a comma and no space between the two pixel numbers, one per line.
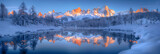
(22,18)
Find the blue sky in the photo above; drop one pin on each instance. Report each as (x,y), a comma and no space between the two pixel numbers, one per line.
(64,5)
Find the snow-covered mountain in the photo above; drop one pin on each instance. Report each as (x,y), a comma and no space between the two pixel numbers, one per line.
(80,14)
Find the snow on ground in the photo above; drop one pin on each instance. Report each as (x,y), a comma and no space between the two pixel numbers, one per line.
(7,28)
(125,27)
(149,42)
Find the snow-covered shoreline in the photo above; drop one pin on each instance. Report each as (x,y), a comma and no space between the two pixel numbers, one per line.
(8,28)
(149,41)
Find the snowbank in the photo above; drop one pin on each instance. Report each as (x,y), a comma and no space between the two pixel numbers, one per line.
(149,42)
(7,28)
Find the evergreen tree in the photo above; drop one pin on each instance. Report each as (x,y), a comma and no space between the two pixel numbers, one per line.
(3,11)
(14,17)
(22,18)
(33,16)
(131,12)
(14,14)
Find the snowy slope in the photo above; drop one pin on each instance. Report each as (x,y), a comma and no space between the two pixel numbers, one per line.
(149,42)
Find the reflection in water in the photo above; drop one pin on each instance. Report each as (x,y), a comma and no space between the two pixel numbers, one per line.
(98,38)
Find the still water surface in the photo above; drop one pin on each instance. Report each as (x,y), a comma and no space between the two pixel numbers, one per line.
(67,41)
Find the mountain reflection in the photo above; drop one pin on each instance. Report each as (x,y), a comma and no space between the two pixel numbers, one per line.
(100,38)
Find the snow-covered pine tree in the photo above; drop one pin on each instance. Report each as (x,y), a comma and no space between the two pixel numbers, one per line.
(14,14)
(14,17)
(131,12)
(33,16)
(3,11)
(22,18)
